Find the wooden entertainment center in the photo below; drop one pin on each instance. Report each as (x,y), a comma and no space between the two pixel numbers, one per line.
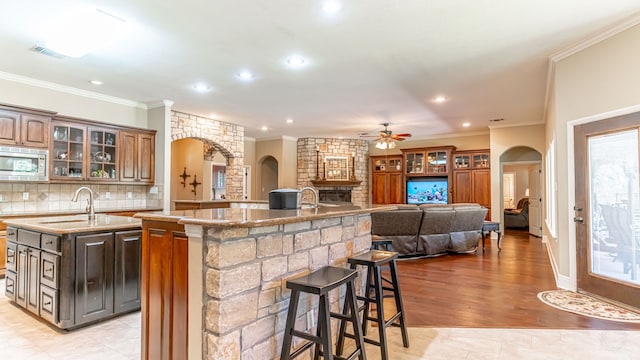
(466,172)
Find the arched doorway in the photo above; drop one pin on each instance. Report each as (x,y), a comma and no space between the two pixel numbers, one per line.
(268,176)
(520,180)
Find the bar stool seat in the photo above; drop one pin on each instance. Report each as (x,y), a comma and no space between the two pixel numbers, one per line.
(320,282)
(375,260)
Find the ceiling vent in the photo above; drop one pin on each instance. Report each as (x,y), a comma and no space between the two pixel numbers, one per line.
(44,51)
(496,120)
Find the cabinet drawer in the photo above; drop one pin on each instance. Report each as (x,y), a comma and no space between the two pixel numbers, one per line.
(49,304)
(11,256)
(10,285)
(50,243)
(27,237)
(49,265)
(12,234)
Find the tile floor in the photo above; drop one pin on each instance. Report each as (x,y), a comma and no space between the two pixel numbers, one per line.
(24,337)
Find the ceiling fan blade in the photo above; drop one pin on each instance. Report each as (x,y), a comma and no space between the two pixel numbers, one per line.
(403,135)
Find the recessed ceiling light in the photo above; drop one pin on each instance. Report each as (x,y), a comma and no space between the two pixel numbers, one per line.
(289,121)
(245,75)
(295,61)
(332,6)
(264,128)
(466,124)
(96,82)
(340,137)
(201,87)
(440,99)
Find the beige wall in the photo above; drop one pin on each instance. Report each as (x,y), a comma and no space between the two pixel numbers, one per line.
(250,161)
(600,79)
(284,150)
(91,106)
(187,153)
(461,142)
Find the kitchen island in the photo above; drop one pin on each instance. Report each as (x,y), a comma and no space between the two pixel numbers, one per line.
(71,270)
(213,281)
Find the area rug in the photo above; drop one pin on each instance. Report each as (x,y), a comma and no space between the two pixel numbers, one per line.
(586,305)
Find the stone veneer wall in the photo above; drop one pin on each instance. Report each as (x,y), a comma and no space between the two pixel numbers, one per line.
(47,198)
(218,136)
(246,298)
(335,147)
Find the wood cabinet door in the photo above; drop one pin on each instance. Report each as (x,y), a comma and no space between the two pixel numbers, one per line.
(462,187)
(128,156)
(94,277)
(482,187)
(394,189)
(22,278)
(33,281)
(146,158)
(9,127)
(379,188)
(127,270)
(34,130)
(164,291)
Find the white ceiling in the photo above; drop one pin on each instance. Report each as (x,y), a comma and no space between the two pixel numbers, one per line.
(376,61)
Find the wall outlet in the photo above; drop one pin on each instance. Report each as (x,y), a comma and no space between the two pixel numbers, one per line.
(25,196)
(153,190)
(129,195)
(107,195)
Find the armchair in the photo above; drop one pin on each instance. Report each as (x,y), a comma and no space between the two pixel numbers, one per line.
(518,218)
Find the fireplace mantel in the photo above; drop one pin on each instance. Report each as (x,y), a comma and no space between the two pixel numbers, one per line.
(336,182)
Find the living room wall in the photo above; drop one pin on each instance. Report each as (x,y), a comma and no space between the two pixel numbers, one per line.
(591,84)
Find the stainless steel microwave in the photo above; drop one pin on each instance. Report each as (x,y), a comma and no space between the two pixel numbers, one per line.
(23,164)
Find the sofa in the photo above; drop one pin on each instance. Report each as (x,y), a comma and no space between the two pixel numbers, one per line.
(518,218)
(430,229)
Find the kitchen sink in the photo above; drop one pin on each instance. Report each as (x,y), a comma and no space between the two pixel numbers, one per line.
(62,221)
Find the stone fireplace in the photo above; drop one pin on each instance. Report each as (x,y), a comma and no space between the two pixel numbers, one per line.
(315,158)
(337,196)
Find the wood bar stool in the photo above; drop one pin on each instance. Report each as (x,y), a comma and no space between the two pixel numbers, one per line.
(374,260)
(381,244)
(320,282)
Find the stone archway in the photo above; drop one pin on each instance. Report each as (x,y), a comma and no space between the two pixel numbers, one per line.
(218,136)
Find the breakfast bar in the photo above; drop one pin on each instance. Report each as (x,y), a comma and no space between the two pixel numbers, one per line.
(213,280)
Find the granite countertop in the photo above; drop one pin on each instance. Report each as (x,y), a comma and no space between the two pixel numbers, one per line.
(75,223)
(74,212)
(221,201)
(236,217)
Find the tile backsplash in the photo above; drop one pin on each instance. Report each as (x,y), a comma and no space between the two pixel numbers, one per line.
(28,198)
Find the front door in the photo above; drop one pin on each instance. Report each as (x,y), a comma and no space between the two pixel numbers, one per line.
(607,208)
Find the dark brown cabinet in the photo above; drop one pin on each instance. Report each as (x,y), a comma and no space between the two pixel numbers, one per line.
(137,157)
(127,271)
(386,180)
(28,278)
(94,277)
(24,129)
(472,178)
(74,279)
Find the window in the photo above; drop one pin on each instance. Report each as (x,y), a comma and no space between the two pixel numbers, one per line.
(551,188)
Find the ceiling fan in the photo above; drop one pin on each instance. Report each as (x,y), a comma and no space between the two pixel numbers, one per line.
(386,138)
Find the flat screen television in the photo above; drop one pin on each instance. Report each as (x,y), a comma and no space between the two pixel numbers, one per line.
(427,190)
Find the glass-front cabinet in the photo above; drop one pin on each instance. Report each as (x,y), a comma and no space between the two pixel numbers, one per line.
(414,162)
(83,153)
(68,151)
(102,164)
(437,162)
(478,159)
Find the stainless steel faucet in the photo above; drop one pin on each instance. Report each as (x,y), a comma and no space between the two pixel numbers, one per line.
(315,195)
(90,209)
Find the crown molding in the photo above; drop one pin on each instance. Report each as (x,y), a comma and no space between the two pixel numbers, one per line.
(554,58)
(531,123)
(71,90)
(161,103)
(248,138)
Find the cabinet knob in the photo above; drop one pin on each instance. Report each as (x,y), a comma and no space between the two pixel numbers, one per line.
(47,303)
(49,242)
